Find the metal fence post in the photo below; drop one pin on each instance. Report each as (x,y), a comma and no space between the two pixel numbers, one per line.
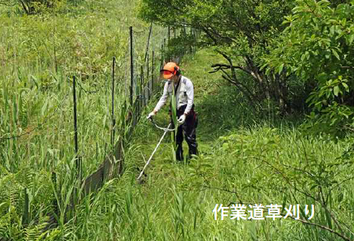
(113,119)
(147,66)
(168,34)
(191,34)
(161,56)
(164,47)
(141,100)
(131,66)
(152,72)
(78,164)
(148,42)
(25,216)
(147,97)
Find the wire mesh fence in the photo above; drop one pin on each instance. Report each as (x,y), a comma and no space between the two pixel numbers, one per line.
(134,79)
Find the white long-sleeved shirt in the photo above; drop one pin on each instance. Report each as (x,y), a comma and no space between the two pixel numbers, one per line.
(184,94)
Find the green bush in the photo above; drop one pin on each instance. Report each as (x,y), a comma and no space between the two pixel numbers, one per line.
(317,46)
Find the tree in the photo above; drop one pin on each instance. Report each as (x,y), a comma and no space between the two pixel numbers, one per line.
(317,46)
(240,31)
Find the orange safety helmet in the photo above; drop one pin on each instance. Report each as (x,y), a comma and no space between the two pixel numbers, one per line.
(170,69)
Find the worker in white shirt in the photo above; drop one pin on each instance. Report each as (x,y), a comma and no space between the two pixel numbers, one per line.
(186,115)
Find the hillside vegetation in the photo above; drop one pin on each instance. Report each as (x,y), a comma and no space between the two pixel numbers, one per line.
(273,90)
(39,55)
(244,160)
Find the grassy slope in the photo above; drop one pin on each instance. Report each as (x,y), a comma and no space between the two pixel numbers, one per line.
(36,101)
(176,200)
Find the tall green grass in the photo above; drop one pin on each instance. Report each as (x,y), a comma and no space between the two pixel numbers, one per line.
(258,165)
(245,160)
(40,54)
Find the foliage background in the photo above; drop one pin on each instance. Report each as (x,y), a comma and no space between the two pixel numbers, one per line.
(267,59)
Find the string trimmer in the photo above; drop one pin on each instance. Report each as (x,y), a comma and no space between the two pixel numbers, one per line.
(167,129)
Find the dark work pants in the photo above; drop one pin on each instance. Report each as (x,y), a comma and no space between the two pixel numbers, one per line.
(187,131)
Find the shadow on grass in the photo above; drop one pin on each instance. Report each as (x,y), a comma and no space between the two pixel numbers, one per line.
(227,110)
(221,112)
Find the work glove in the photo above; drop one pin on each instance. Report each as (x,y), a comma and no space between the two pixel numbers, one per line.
(182,119)
(151,115)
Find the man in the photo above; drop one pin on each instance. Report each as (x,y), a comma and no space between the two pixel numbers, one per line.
(187,118)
